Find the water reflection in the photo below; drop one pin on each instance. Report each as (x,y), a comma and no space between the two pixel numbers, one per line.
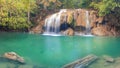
(88,46)
(52,48)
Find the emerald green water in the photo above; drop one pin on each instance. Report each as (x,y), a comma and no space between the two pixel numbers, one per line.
(55,51)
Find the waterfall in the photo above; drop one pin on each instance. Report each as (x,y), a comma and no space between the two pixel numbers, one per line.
(52,23)
(87,32)
(57,23)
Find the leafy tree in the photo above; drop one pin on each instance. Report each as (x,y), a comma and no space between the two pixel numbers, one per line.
(67,4)
(29,5)
(105,6)
(15,14)
(49,3)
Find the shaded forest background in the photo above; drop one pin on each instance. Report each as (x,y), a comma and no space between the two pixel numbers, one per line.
(18,14)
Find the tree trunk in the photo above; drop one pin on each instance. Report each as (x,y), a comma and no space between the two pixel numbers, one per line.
(28,13)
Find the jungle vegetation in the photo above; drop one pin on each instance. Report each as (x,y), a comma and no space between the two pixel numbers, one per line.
(17,14)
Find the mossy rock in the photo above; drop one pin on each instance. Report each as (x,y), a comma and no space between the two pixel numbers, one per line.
(70,17)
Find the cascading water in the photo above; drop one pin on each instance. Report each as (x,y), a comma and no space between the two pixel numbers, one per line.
(52,24)
(87,32)
(86,19)
(58,22)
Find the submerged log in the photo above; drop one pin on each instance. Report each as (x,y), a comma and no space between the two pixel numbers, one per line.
(81,63)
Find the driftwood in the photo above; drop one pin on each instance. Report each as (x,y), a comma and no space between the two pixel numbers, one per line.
(81,63)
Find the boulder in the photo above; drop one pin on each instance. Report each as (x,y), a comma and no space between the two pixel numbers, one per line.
(101,31)
(13,56)
(100,19)
(69,32)
(37,29)
(108,59)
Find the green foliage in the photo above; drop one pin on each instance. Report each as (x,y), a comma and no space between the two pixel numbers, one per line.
(70,19)
(14,14)
(68,3)
(105,6)
(84,3)
(75,3)
(49,3)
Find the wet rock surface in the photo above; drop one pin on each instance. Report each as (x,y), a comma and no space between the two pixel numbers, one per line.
(108,59)
(69,32)
(101,31)
(78,19)
(106,62)
(37,29)
(39,20)
(13,56)
(13,60)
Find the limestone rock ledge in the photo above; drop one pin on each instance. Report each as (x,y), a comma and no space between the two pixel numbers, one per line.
(108,25)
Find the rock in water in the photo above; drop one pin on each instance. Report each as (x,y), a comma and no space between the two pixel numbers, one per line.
(108,59)
(81,63)
(14,56)
(69,32)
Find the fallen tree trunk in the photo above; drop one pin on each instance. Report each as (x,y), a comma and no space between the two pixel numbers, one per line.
(81,63)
